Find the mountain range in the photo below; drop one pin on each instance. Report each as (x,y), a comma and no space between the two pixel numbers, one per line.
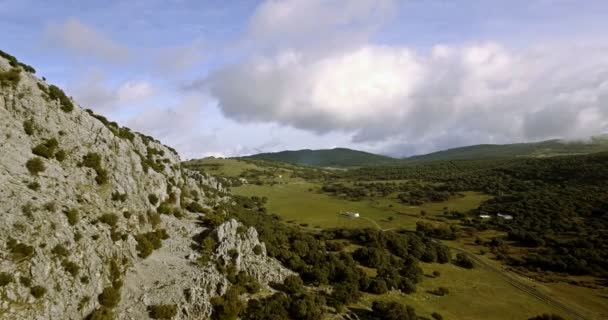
(343,157)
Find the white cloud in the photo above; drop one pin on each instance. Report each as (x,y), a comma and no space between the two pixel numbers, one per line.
(179,58)
(95,92)
(315,22)
(85,40)
(482,92)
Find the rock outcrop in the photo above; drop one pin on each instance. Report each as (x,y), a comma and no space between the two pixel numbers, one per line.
(79,203)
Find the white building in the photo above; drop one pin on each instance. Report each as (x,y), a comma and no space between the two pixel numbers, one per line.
(485,216)
(505,216)
(352,214)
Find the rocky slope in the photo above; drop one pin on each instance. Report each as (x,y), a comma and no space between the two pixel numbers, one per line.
(93,218)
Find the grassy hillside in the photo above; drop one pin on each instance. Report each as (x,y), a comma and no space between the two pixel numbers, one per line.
(547,148)
(338,157)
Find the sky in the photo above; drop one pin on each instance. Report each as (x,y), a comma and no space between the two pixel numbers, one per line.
(230,78)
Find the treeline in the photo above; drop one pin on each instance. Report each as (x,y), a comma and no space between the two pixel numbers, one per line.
(410,192)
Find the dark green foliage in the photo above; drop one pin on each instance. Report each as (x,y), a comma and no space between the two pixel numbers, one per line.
(29,126)
(228,306)
(10,78)
(93,160)
(125,133)
(195,207)
(109,297)
(247,282)
(150,241)
(55,93)
(60,155)
(16,63)
(462,260)
(35,166)
(257,249)
(34,185)
(73,216)
(101,314)
(546,316)
(153,218)
(60,251)
(70,267)
(162,311)
(153,199)
(38,291)
(441,291)
(25,281)
(383,310)
(46,149)
(117,196)
(19,251)
(436,316)
(5,278)
(110,219)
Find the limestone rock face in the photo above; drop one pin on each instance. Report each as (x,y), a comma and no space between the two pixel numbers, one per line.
(71,222)
(237,245)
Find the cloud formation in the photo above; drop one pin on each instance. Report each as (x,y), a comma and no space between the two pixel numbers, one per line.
(95,92)
(84,40)
(379,93)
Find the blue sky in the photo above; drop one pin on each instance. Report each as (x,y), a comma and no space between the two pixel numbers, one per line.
(396,77)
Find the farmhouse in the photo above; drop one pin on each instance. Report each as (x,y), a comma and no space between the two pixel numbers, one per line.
(485,216)
(505,216)
(352,214)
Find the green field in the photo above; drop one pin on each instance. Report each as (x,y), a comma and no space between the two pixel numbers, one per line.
(473,294)
(299,201)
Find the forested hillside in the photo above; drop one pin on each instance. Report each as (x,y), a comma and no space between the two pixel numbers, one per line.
(338,157)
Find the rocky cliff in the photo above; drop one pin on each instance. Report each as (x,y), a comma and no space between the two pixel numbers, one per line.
(99,221)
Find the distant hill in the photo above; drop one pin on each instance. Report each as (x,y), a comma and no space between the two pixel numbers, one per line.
(547,148)
(338,157)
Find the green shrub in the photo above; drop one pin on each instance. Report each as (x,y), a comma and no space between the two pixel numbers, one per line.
(437,316)
(60,251)
(5,278)
(153,218)
(60,155)
(228,306)
(153,199)
(93,160)
(257,249)
(117,196)
(35,166)
(56,93)
(73,216)
(462,260)
(109,297)
(110,219)
(101,314)
(195,207)
(46,149)
(38,291)
(125,133)
(162,311)
(25,281)
(34,185)
(29,126)
(70,267)
(19,251)
(150,241)
(10,78)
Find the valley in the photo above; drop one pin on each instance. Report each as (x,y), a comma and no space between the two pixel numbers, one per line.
(297,195)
